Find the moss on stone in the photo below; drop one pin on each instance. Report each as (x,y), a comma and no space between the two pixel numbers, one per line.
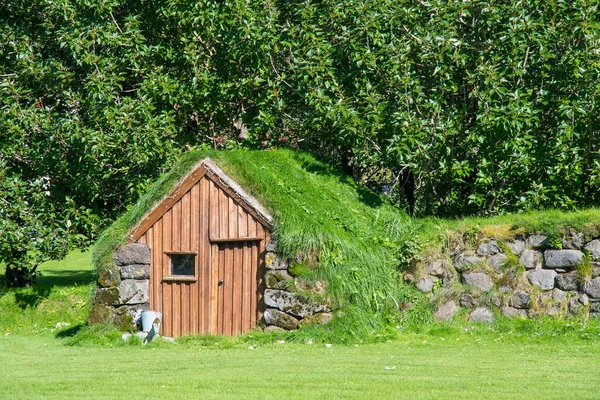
(100,314)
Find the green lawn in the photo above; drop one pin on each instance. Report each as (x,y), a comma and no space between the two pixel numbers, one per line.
(35,367)
(459,361)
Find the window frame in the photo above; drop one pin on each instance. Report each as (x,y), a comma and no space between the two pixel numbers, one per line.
(181,278)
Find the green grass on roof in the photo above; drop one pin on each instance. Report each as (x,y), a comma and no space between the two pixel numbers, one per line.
(355,233)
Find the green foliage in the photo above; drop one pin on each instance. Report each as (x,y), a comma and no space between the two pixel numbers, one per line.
(32,228)
(461,107)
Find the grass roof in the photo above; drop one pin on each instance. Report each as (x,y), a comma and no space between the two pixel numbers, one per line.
(318,212)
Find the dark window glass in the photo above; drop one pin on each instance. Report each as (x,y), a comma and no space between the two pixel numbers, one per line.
(183,264)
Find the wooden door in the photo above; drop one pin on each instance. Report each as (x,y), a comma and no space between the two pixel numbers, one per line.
(237,304)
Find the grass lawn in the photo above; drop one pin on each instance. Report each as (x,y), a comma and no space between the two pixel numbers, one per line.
(35,367)
(457,361)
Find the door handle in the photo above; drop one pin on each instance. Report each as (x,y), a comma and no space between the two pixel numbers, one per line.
(220,282)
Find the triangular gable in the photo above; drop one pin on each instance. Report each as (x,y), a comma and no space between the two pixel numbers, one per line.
(205,168)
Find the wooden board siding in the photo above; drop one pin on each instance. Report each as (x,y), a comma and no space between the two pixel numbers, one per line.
(226,296)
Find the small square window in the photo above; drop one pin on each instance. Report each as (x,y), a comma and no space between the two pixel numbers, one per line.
(183,264)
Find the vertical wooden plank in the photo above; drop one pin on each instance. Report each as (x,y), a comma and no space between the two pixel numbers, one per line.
(186,211)
(242,219)
(223,215)
(176,227)
(220,295)
(166,286)
(214,290)
(176,287)
(238,277)
(176,309)
(247,284)
(228,290)
(214,210)
(143,238)
(232,275)
(185,308)
(185,245)
(195,246)
(233,218)
(205,261)
(156,269)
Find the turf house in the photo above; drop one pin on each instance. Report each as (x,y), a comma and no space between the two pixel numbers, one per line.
(227,242)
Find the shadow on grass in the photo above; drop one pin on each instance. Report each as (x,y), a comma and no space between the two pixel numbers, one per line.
(31,297)
(42,287)
(56,277)
(69,332)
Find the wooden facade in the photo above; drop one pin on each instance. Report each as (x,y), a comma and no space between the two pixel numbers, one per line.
(210,219)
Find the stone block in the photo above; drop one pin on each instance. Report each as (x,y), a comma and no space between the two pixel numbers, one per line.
(135,271)
(273,261)
(593,248)
(133,253)
(100,314)
(435,268)
(520,299)
(488,248)
(542,278)
(280,319)
(575,307)
(271,247)
(516,246)
(446,311)
(278,279)
(511,312)
(122,319)
(109,278)
(467,300)
(479,280)
(425,285)
(292,303)
(133,291)
(572,240)
(107,296)
(562,258)
(531,259)
(483,315)
(538,241)
(592,289)
(464,262)
(496,261)
(558,295)
(568,281)
(316,319)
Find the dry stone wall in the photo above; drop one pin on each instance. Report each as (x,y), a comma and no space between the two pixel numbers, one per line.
(286,306)
(524,277)
(124,292)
